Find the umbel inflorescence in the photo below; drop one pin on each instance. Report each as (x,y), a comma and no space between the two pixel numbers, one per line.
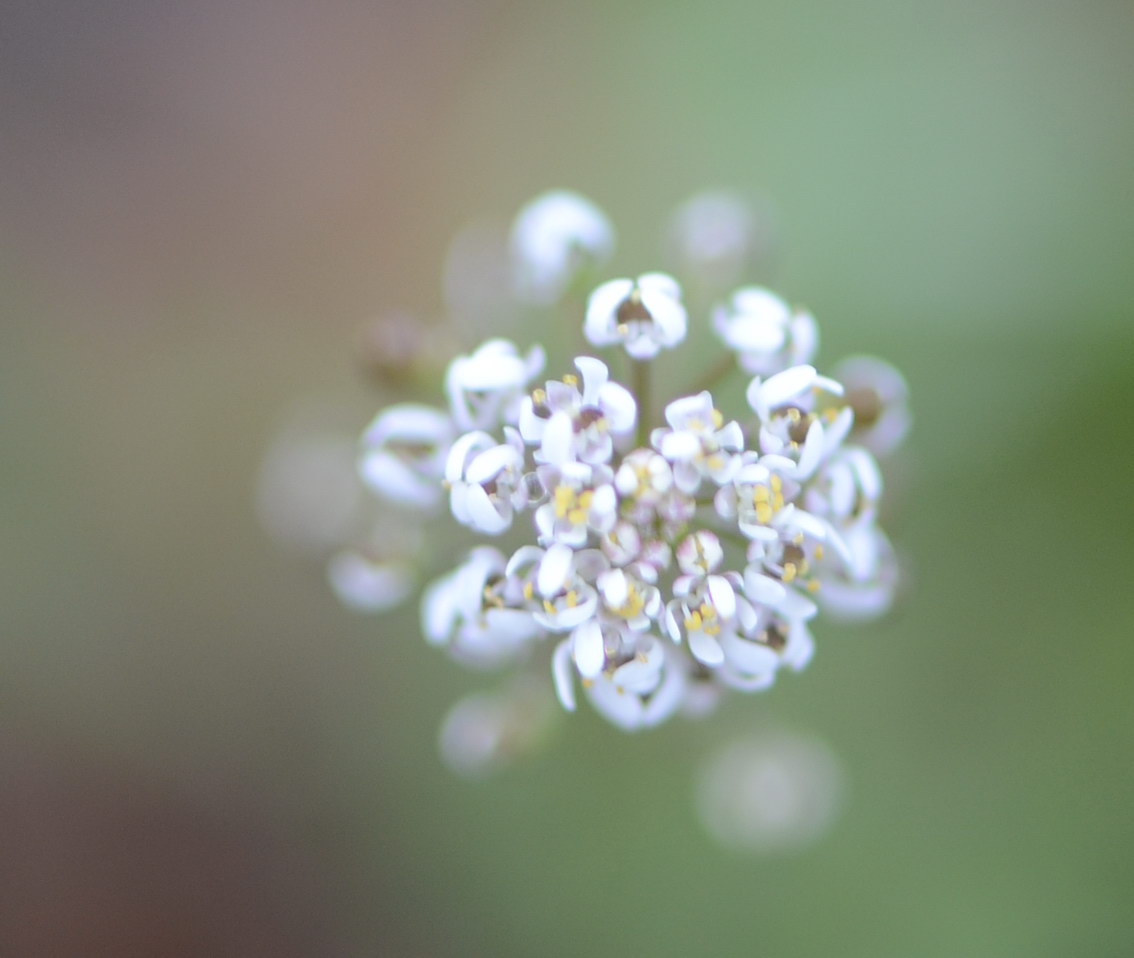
(646,556)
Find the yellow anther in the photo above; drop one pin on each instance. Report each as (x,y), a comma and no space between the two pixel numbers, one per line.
(548,607)
(789,571)
(818,552)
(794,414)
(564,500)
(718,419)
(712,628)
(777,482)
(529,590)
(813,585)
(539,397)
(622,329)
(761,494)
(832,414)
(693,622)
(571,379)
(587,683)
(715,462)
(572,599)
(577,517)
(707,611)
(763,512)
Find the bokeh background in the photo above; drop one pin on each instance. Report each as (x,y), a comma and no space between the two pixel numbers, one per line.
(204,754)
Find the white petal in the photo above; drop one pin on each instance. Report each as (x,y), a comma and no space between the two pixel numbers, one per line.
(749,657)
(601,307)
(705,649)
(487,465)
(619,407)
(483,514)
(562,674)
(721,596)
(595,374)
(587,648)
(558,440)
(554,570)
(786,386)
(762,589)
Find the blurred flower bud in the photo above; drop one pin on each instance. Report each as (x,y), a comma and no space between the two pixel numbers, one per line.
(308,495)
(716,237)
(556,236)
(487,731)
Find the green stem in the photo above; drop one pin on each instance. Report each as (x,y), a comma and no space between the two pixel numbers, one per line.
(640,382)
(720,370)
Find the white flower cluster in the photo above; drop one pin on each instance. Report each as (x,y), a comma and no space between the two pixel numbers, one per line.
(654,563)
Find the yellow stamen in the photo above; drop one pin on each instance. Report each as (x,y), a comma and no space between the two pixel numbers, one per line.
(571,379)
(718,419)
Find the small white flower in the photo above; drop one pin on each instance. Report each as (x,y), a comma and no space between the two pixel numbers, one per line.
(698,442)
(403,454)
(704,607)
(846,488)
(630,596)
(369,583)
(553,237)
(582,500)
(767,335)
(699,554)
(765,642)
(566,598)
(569,422)
(486,480)
(643,315)
(642,692)
(759,498)
(879,396)
(466,611)
(484,389)
(802,417)
(863,586)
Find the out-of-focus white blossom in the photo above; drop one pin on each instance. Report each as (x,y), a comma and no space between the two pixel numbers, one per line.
(485,480)
(713,236)
(369,583)
(767,335)
(555,236)
(487,731)
(571,420)
(698,442)
(772,792)
(644,315)
(802,417)
(403,454)
(485,388)
(471,612)
(879,396)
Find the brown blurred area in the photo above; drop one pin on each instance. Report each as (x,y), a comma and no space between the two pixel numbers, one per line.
(199,203)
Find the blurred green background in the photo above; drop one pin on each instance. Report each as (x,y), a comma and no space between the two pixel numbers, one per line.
(203,754)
